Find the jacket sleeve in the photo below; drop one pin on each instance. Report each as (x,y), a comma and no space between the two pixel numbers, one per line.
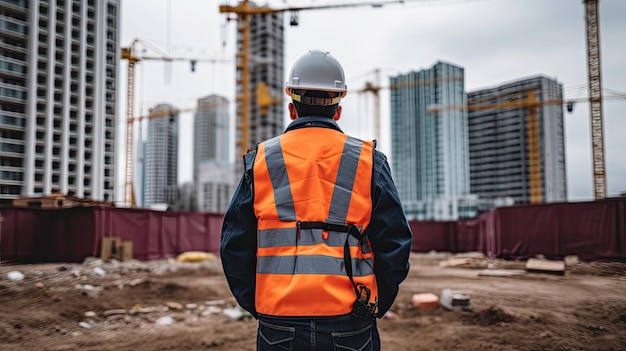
(238,241)
(389,234)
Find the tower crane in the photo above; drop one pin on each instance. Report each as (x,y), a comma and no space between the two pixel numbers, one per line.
(595,97)
(595,104)
(530,103)
(374,88)
(244,10)
(130,54)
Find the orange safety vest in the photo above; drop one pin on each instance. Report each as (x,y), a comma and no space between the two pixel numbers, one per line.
(306,189)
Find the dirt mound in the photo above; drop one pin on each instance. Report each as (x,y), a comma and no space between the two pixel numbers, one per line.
(492,315)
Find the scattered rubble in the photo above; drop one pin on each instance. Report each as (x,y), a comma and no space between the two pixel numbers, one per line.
(46,311)
(425,301)
(451,300)
(15,275)
(501,272)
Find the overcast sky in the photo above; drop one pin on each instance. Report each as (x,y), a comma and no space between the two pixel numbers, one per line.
(495,41)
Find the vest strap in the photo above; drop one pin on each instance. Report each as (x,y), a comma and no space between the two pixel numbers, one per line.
(363,308)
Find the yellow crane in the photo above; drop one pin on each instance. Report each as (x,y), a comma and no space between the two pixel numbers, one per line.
(530,103)
(595,103)
(130,54)
(244,10)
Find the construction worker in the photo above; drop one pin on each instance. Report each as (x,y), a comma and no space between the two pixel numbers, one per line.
(315,242)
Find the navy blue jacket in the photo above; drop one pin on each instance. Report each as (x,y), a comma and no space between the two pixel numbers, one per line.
(388,231)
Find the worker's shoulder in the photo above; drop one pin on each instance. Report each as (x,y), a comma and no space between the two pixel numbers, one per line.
(248,159)
(379,156)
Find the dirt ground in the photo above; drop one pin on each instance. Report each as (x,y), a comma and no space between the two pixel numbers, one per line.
(169,305)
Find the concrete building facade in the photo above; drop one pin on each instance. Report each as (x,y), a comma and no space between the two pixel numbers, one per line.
(429,143)
(499,147)
(58,77)
(216,186)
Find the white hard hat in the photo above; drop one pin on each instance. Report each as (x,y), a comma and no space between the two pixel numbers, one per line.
(317,70)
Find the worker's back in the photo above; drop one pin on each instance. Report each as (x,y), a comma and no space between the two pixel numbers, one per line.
(306,179)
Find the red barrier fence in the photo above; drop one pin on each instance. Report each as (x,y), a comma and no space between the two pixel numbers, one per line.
(592,230)
(71,234)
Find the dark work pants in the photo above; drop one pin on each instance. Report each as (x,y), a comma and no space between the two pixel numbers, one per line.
(317,334)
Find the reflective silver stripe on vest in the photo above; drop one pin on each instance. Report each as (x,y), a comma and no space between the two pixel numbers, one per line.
(280,180)
(289,237)
(312,265)
(345,181)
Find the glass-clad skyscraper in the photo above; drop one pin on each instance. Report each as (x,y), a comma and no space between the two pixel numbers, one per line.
(214,175)
(211,132)
(161,154)
(429,142)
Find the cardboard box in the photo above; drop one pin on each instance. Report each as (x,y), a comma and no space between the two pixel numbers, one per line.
(126,250)
(109,247)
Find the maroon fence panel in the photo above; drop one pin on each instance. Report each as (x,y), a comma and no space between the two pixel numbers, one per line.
(70,238)
(469,235)
(21,232)
(136,226)
(489,229)
(621,228)
(193,232)
(214,231)
(170,235)
(157,234)
(9,241)
(101,227)
(433,236)
(18,231)
(589,229)
(525,231)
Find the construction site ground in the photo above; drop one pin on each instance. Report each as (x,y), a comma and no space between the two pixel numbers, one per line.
(170,305)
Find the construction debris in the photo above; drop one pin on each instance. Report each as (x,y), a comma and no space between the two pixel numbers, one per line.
(536,265)
(451,300)
(465,259)
(425,301)
(501,272)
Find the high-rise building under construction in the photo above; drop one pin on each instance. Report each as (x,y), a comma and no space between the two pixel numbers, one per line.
(266,66)
(58,74)
(429,147)
(499,147)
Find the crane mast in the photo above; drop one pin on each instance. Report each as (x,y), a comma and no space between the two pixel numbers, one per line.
(244,12)
(243,79)
(595,98)
(127,53)
(374,88)
(534,153)
(530,103)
